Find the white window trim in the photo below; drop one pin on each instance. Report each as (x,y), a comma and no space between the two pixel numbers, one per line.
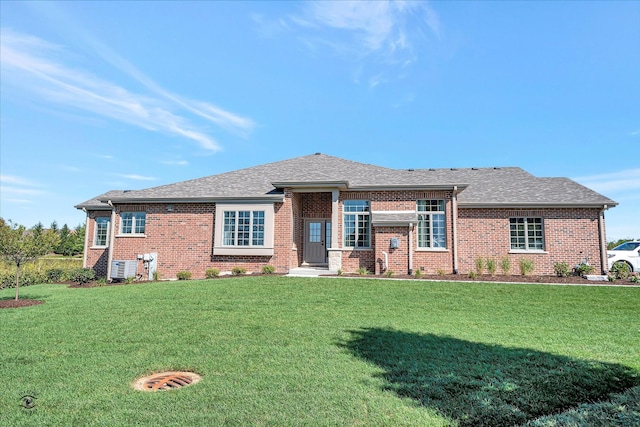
(526,236)
(95,233)
(344,228)
(267,249)
(133,225)
(443,212)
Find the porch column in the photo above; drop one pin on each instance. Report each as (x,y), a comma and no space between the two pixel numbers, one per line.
(335,253)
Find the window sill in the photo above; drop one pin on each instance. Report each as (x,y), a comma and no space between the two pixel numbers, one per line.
(99,247)
(525,251)
(432,250)
(131,235)
(228,250)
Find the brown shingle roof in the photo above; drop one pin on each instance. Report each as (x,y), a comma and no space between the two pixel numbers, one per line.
(482,186)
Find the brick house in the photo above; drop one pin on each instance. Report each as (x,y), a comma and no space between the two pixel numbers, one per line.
(320,210)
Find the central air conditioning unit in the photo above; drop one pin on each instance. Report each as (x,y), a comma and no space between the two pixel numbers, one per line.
(124,269)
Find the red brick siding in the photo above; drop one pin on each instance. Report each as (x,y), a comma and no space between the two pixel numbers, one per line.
(373,259)
(570,235)
(183,237)
(96,257)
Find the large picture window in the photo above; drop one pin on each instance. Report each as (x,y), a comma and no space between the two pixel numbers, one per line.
(526,234)
(133,222)
(357,224)
(432,230)
(101,232)
(243,228)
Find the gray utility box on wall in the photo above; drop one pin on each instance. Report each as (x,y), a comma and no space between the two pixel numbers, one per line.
(123,269)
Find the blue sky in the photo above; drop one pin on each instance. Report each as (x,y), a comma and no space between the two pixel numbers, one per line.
(98,96)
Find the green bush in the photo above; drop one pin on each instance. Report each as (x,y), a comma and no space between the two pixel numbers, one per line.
(418,273)
(237,271)
(492,265)
(583,269)
(55,275)
(473,275)
(156,276)
(505,265)
(183,275)
(388,273)
(82,275)
(620,270)
(526,266)
(268,269)
(210,273)
(362,271)
(562,269)
(440,272)
(479,265)
(27,278)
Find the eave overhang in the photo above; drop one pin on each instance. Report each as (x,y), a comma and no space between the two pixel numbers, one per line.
(303,185)
(271,198)
(536,205)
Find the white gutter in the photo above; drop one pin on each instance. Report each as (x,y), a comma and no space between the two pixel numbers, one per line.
(410,248)
(112,239)
(454,225)
(86,239)
(604,263)
(386,261)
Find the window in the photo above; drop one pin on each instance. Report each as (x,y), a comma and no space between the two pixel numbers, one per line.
(133,222)
(431,224)
(357,228)
(243,228)
(101,231)
(526,234)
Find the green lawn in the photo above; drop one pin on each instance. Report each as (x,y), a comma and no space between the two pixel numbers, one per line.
(286,351)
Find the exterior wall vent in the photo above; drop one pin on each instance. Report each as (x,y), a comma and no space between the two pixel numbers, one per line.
(123,269)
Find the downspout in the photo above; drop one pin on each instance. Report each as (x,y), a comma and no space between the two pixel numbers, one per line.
(454,222)
(386,260)
(112,239)
(603,242)
(410,248)
(86,239)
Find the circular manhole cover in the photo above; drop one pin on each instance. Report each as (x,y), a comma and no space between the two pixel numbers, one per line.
(166,381)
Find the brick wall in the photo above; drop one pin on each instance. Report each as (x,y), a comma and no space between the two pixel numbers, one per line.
(183,236)
(570,235)
(96,257)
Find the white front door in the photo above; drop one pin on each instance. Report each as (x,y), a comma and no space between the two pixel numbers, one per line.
(317,238)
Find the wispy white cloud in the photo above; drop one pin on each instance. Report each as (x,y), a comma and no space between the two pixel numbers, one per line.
(624,181)
(387,26)
(38,66)
(20,201)
(175,162)
(12,179)
(380,33)
(19,190)
(635,133)
(137,177)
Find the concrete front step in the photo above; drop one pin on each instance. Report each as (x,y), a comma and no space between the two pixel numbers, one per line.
(310,272)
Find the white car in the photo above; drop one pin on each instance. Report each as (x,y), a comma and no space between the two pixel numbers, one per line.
(627,253)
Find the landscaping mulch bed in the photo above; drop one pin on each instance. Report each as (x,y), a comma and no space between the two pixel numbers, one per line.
(12,303)
(569,280)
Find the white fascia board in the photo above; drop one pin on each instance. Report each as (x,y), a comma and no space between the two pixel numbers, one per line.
(462,205)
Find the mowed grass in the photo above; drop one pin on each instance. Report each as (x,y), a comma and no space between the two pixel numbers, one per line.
(286,351)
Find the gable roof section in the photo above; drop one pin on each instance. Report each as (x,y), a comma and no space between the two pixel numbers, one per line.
(478,187)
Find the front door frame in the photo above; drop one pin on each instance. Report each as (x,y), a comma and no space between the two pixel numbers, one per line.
(311,249)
